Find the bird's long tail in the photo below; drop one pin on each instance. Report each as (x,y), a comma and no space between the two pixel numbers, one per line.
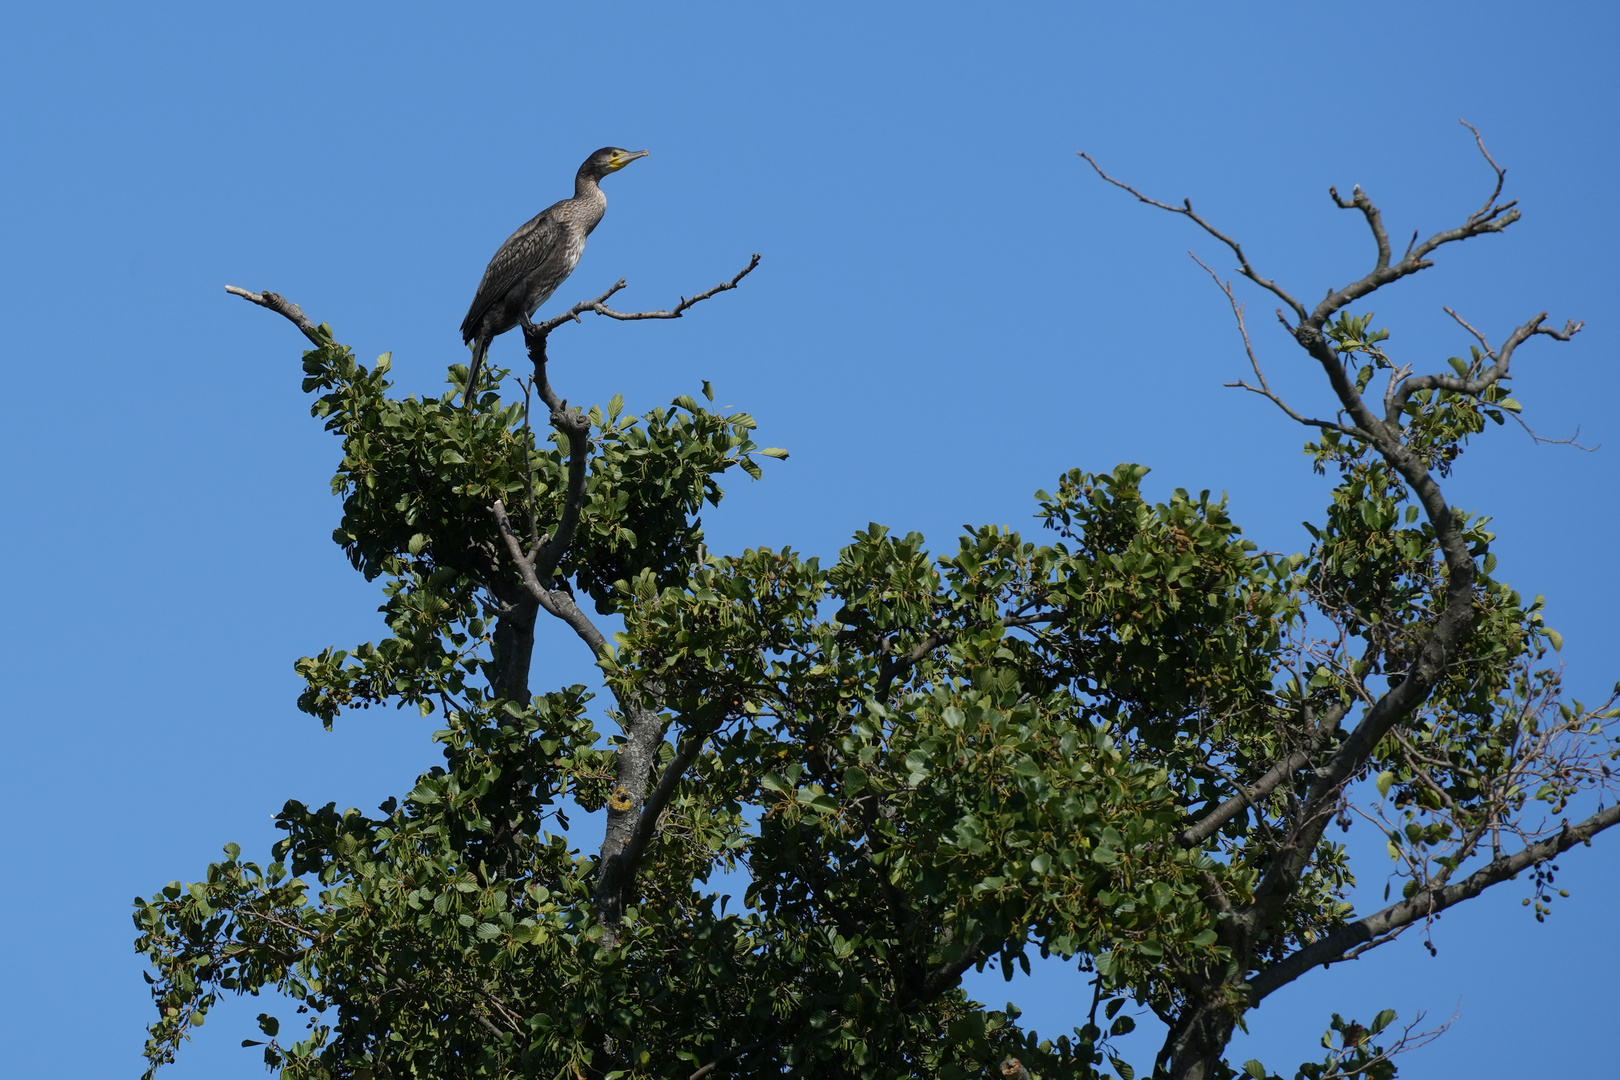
(480,347)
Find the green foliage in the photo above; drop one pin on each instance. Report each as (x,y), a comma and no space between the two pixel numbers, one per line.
(925,764)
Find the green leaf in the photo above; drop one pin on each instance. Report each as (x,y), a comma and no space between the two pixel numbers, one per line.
(773,452)
(1255,1069)
(1385,780)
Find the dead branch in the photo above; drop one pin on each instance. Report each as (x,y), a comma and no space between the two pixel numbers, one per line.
(1501,173)
(599,305)
(1264,389)
(1186,209)
(1358,201)
(287,309)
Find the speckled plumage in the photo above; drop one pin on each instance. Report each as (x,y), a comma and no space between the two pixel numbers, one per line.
(536,259)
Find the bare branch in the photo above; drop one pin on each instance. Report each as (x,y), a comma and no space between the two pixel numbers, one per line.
(1479,337)
(1186,210)
(286,309)
(1573,440)
(1492,217)
(1375,221)
(1501,173)
(573,313)
(686,302)
(1423,904)
(599,305)
(1264,389)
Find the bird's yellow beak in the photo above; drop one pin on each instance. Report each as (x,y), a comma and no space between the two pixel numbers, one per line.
(619,161)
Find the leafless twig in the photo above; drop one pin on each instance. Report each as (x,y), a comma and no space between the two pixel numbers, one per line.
(285,308)
(1186,209)
(1264,389)
(1361,1068)
(1501,173)
(599,305)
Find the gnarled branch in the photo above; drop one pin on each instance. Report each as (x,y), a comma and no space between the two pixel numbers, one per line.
(287,309)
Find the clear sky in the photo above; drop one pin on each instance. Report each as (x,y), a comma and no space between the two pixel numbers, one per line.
(951,310)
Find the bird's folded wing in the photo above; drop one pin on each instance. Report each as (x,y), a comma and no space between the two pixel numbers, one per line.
(537,243)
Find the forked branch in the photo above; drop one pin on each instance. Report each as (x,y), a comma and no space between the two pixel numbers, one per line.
(1264,389)
(1479,378)
(599,305)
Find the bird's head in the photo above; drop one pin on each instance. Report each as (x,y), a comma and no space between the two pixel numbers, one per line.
(609,159)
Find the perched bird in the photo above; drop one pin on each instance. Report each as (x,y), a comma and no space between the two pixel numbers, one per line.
(538,258)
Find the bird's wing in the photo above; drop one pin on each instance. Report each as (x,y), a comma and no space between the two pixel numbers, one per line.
(536,242)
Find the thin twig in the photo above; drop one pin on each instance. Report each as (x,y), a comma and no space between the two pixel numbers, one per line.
(1264,389)
(1186,209)
(1501,173)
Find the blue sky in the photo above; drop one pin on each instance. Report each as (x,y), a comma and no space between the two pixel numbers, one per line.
(951,310)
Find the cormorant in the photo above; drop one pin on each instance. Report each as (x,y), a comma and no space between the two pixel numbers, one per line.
(537,258)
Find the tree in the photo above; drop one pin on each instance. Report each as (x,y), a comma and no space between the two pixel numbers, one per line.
(1127,743)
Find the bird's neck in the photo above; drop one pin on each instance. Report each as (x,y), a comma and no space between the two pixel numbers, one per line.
(591,200)
(585,187)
